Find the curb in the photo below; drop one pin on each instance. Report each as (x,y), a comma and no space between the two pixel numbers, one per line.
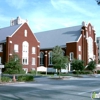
(11,83)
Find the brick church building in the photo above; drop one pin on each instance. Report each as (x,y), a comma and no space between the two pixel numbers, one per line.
(19,38)
(77,42)
(35,50)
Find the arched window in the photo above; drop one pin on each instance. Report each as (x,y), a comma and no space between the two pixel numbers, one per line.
(25,51)
(50,58)
(71,55)
(41,58)
(90,48)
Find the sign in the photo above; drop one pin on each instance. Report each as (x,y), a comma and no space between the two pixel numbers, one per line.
(1,66)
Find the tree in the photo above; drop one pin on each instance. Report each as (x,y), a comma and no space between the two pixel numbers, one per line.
(91,65)
(13,66)
(98,2)
(77,65)
(59,60)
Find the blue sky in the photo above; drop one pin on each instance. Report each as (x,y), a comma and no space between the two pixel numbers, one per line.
(45,15)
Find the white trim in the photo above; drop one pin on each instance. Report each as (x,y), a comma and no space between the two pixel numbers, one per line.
(10,41)
(79,38)
(38,56)
(10,54)
(17,30)
(38,45)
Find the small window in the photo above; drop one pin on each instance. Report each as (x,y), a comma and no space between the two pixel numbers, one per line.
(79,56)
(79,48)
(33,61)
(16,48)
(1,48)
(25,61)
(33,50)
(71,55)
(50,58)
(25,33)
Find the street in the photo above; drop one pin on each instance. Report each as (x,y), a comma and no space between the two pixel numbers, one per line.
(44,88)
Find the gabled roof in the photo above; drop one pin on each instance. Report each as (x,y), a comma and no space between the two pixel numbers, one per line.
(7,31)
(52,38)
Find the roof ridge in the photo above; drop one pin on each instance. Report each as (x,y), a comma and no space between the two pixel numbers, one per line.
(57,29)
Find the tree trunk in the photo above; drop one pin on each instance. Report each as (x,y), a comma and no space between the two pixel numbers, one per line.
(59,73)
(14,78)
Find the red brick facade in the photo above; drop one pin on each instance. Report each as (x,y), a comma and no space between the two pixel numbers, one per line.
(87,31)
(18,38)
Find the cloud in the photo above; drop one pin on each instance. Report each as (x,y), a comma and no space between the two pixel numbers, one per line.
(16,3)
(68,5)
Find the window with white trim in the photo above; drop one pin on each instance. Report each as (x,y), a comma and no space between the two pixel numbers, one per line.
(25,61)
(50,58)
(71,55)
(33,61)
(25,33)
(41,58)
(1,48)
(79,56)
(16,48)
(33,50)
(90,48)
(79,48)
(25,52)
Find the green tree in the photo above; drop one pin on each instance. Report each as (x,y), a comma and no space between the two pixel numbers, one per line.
(59,60)
(91,65)
(77,65)
(98,2)
(14,65)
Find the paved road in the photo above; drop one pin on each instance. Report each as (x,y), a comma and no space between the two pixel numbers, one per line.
(50,89)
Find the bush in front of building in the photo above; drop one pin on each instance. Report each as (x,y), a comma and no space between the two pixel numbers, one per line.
(91,66)
(98,71)
(6,79)
(25,78)
(33,72)
(81,72)
(77,65)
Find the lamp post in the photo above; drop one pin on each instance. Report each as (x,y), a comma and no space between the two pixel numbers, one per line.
(46,61)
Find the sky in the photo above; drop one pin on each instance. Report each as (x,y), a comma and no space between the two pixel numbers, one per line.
(43,15)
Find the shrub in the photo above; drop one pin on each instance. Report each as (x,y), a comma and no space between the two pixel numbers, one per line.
(81,72)
(33,72)
(23,72)
(5,79)
(98,71)
(25,78)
